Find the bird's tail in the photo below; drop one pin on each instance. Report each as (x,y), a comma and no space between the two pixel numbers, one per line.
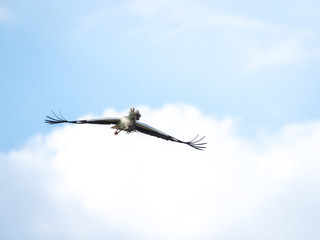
(57,119)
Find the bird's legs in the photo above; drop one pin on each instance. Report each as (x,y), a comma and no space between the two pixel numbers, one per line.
(117,131)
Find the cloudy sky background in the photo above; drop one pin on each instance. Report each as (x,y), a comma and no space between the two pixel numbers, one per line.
(243,74)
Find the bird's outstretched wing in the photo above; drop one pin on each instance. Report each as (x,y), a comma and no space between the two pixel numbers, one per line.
(60,119)
(144,128)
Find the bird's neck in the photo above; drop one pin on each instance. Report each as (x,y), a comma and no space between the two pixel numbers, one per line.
(132,118)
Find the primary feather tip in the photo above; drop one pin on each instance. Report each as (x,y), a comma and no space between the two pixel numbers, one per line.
(197,144)
(57,119)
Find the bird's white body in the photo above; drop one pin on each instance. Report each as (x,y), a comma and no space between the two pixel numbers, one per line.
(124,124)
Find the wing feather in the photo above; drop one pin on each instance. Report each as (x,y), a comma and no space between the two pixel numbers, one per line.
(146,129)
(60,119)
(104,121)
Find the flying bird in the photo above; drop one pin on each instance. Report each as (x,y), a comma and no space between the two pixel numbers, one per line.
(129,124)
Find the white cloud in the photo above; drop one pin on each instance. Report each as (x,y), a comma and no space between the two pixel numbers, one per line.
(166,17)
(249,42)
(137,186)
(266,44)
(6,15)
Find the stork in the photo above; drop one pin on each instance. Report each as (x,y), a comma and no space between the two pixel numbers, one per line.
(129,124)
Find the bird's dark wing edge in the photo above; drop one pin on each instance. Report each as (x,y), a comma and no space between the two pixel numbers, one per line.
(60,119)
(57,119)
(146,129)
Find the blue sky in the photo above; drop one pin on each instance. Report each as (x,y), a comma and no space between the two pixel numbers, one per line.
(248,71)
(255,62)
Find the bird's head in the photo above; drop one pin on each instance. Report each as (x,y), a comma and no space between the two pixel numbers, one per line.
(134,114)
